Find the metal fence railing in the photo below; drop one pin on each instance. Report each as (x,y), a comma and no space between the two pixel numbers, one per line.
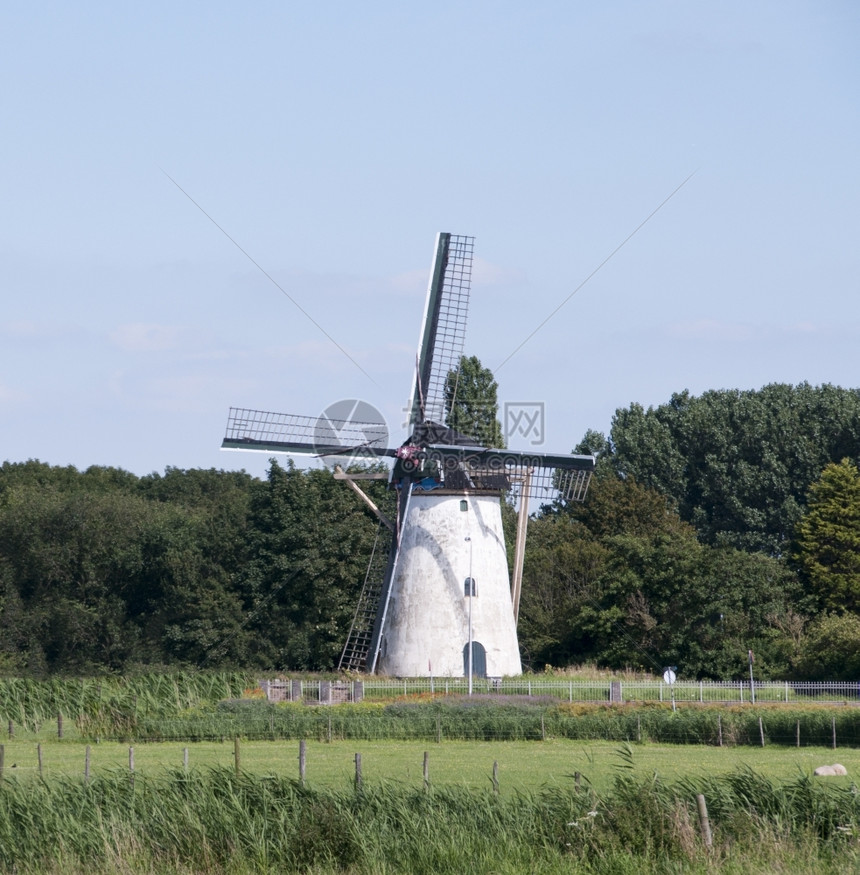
(702,692)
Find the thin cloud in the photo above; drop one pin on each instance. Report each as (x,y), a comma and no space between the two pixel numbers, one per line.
(485,273)
(410,282)
(145,337)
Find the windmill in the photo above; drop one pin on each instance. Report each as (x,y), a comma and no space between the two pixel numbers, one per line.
(437,598)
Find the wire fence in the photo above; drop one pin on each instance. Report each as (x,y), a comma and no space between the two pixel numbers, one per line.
(537,708)
(587,692)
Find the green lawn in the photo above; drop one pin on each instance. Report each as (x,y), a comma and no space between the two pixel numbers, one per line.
(521,765)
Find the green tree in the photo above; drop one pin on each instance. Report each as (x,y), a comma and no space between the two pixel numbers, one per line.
(68,558)
(623,582)
(738,464)
(472,403)
(614,507)
(100,570)
(561,575)
(830,649)
(670,600)
(828,538)
(311,541)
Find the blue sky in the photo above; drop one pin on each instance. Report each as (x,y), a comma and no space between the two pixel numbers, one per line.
(333,140)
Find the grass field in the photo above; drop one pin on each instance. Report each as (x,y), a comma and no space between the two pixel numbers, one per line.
(522,766)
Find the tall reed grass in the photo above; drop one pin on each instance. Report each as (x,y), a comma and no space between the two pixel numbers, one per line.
(510,719)
(114,702)
(216,821)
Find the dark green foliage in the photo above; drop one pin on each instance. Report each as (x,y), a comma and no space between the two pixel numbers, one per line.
(102,571)
(311,539)
(472,403)
(561,578)
(622,581)
(828,538)
(738,464)
(830,648)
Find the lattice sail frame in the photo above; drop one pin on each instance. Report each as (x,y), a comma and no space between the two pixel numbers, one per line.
(265,431)
(540,476)
(443,331)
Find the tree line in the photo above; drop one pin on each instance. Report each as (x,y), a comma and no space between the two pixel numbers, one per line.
(102,570)
(714,525)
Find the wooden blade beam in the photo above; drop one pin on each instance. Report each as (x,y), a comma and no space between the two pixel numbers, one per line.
(340,475)
(520,546)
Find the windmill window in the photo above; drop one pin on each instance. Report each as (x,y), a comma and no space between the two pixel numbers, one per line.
(470,588)
(464,505)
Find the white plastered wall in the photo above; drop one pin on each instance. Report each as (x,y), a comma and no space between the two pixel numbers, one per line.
(427,621)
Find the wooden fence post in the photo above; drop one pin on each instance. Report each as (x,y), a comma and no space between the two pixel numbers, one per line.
(495,777)
(761,731)
(59,725)
(577,781)
(39,757)
(720,730)
(185,758)
(358,771)
(302,761)
(704,821)
(237,755)
(426,770)
(11,729)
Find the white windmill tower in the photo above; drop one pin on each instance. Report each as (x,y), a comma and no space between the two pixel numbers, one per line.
(438,598)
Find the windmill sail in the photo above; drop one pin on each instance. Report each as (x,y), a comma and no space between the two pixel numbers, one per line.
(551,477)
(322,435)
(443,331)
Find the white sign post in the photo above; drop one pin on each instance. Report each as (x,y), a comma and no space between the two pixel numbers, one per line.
(669,677)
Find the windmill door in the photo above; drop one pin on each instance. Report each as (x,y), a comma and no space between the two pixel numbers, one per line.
(479,660)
